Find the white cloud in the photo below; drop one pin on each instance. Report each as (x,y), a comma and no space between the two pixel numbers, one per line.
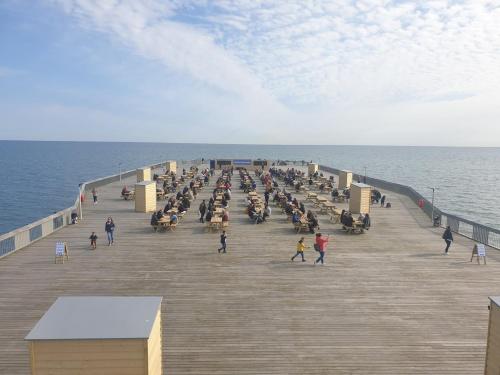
(293,62)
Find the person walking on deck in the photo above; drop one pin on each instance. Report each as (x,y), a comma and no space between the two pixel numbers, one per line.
(448,238)
(94,195)
(203,210)
(110,228)
(300,249)
(320,246)
(223,243)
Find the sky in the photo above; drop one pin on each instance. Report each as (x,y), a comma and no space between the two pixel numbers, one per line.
(379,72)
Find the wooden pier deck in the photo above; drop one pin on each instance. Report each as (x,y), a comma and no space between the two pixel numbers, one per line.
(386,302)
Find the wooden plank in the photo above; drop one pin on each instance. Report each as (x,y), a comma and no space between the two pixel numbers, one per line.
(386,302)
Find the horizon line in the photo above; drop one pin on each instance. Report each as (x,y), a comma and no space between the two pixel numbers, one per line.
(243,144)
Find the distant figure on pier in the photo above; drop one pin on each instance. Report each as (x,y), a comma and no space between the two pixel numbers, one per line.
(109,227)
(223,242)
(367,222)
(93,240)
(94,195)
(74,218)
(382,201)
(300,249)
(203,210)
(448,239)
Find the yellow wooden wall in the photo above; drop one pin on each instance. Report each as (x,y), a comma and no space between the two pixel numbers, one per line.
(312,168)
(345,179)
(359,201)
(145,197)
(88,357)
(171,166)
(144,174)
(493,350)
(154,348)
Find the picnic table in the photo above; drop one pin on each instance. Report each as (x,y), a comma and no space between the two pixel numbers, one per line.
(164,222)
(311,196)
(339,198)
(128,195)
(216,222)
(326,206)
(302,224)
(357,227)
(335,215)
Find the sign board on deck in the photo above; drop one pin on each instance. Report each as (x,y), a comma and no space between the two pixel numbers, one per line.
(479,251)
(60,249)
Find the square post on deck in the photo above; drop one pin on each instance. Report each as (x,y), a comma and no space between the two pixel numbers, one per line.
(97,335)
(145,196)
(171,166)
(144,174)
(360,199)
(492,366)
(312,168)
(345,179)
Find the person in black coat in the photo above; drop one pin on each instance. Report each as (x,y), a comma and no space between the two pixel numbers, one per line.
(203,210)
(448,238)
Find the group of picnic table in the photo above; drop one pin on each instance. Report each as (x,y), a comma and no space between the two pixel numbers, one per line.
(216,222)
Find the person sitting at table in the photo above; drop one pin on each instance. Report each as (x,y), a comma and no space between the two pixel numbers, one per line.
(335,193)
(321,187)
(173,218)
(348,220)
(302,208)
(295,202)
(367,222)
(310,181)
(289,209)
(159,214)
(167,207)
(125,191)
(186,202)
(312,222)
(342,217)
(227,194)
(223,202)
(295,217)
(181,208)
(225,216)
(154,221)
(208,218)
(185,190)
(178,196)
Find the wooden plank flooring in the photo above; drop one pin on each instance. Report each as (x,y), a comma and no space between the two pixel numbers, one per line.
(386,302)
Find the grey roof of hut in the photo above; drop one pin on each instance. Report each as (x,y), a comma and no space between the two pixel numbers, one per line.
(84,318)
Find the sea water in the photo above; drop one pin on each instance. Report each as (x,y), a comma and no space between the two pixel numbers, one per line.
(40,178)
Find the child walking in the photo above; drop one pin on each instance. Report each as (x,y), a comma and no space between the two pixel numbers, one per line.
(223,239)
(93,240)
(300,249)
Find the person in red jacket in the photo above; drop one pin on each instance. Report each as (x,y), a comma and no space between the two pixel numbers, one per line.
(320,246)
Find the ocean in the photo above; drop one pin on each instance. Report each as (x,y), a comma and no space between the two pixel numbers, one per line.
(40,178)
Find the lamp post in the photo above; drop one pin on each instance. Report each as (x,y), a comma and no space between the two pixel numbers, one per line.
(120,166)
(432,202)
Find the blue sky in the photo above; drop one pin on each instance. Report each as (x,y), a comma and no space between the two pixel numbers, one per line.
(249,71)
